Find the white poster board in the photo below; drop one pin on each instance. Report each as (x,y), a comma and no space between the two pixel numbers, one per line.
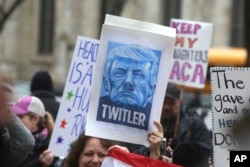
(134,63)
(230,89)
(191,52)
(72,114)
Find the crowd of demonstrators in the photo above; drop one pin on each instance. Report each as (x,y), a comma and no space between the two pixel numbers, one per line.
(28,136)
(183,125)
(32,113)
(88,151)
(16,141)
(192,136)
(42,87)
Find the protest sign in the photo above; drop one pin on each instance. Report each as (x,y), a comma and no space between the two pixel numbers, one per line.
(72,114)
(230,107)
(191,52)
(134,62)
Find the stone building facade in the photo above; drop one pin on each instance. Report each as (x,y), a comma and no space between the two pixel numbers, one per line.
(20,41)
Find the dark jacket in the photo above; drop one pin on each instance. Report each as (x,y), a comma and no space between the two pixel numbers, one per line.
(191,129)
(49,101)
(41,144)
(16,142)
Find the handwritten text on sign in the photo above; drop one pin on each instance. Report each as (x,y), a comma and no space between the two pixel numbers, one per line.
(191,52)
(230,104)
(71,118)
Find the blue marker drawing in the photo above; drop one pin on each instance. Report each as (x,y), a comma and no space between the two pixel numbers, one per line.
(129,81)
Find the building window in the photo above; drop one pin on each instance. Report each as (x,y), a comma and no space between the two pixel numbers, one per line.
(237,28)
(113,7)
(171,9)
(46,27)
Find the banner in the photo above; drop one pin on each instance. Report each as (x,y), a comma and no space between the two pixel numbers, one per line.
(191,52)
(72,114)
(119,158)
(134,62)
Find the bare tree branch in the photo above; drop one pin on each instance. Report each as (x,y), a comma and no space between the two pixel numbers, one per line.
(5,14)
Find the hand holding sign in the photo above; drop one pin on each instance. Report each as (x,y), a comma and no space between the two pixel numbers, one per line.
(134,66)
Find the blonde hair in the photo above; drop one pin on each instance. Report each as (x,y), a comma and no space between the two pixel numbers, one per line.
(44,122)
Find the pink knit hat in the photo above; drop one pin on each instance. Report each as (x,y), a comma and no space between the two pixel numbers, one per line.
(28,104)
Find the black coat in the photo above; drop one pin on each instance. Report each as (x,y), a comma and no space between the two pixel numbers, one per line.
(191,129)
(16,142)
(41,144)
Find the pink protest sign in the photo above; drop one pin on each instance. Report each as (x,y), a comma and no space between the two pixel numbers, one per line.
(191,52)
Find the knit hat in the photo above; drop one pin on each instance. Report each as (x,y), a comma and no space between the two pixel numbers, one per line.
(41,80)
(172,91)
(28,104)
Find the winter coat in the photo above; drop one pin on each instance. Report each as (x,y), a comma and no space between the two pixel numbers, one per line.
(191,129)
(41,144)
(16,142)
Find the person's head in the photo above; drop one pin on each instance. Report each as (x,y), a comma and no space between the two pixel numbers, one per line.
(87,151)
(8,90)
(171,103)
(31,111)
(3,104)
(41,80)
(130,75)
(190,154)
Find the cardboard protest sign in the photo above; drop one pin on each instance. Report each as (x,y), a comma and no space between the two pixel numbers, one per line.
(191,52)
(134,62)
(230,110)
(72,114)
